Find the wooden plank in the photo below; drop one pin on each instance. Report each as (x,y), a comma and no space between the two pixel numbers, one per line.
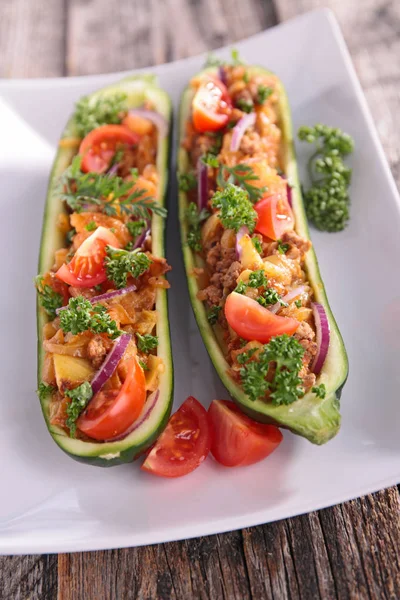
(139,34)
(28,577)
(31,38)
(372,35)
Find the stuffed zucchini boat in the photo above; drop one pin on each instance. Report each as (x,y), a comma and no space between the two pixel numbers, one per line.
(104,357)
(253,276)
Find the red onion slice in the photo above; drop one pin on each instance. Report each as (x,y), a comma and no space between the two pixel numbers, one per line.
(222,75)
(113,170)
(155,117)
(288,298)
(140,240)
(147,410)
(110,364)
(237,133)
(105,297)
(323,336)
(239,250)
(202,185)
(288,191)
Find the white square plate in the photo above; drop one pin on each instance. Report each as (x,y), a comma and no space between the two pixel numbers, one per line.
(50,503)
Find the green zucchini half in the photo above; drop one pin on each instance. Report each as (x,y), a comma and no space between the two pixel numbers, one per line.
(138,90)
(316,419)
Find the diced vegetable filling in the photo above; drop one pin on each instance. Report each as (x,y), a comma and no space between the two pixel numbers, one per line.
(100,341)
(250,259)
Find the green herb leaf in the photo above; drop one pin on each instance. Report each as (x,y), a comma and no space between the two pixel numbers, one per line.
(79,399)
(210,160)
(285,354)
(44,390)
(298,303)
(106,110)
(327,201)
(213,313)
(146,342)
(257,244)
(241,175)
(257,279)
(48,298)
(135,228)
(194,220)
(187,182)
(241,287)
(236,210)
(282,248)
(121,263)
(319,390)
(91,226)
(263,93)
(81,315)
(246,106)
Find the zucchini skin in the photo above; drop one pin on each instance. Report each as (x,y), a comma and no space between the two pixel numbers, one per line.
(107,454)
(315,419)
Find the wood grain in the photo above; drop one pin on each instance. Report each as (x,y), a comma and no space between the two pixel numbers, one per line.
(348,551)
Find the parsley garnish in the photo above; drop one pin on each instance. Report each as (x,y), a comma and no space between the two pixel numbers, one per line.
(257,279)
(80,315)
(135,228)
(263,93)
(319,390)
(282,248)
(194,220)
(285,353)
(246,106)
(91,226)
(270,296)
(214,61)
(327,201)
(48,298)
(146,342)
(212,315)
(241,287)
(241,175)
(235,207)
(243,357)
(44,390)
(298,303)
(143,365)
(106,110)
(210,160)
(257,244)
(121,263)
(79,399)
(187,182)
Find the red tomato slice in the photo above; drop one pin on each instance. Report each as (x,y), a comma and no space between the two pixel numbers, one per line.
(183,445)
(111,413)
(251,321)
(99,146)
(237,440)
(211,106)
(274,216)
(87,269)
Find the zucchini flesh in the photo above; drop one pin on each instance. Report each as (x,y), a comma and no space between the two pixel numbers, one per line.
(138,90)
(316,419)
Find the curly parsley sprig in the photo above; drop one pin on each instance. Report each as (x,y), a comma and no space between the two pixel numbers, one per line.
(106,110)
(194,219)
(48,298)
(241,175)
(121,263)
(80,315)
(236,210)
(327,201)
(284,353)
(78,400)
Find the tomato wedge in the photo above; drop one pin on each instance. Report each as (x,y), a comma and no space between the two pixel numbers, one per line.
(100,145)
(274,216)
(87,269)
(251,321)
(211,106)
(237,440)
(110,413)
(183,445)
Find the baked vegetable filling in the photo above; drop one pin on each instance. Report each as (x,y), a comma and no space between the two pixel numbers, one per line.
(101,361)
(249,258)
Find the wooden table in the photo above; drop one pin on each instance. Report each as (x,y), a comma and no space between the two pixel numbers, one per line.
(348,551)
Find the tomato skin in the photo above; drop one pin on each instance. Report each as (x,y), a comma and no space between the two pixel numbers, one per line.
(211,106)
(251,321)
(87,268)
(237,440)
(184,444)
(99,146)
(109,414)
(274,216)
